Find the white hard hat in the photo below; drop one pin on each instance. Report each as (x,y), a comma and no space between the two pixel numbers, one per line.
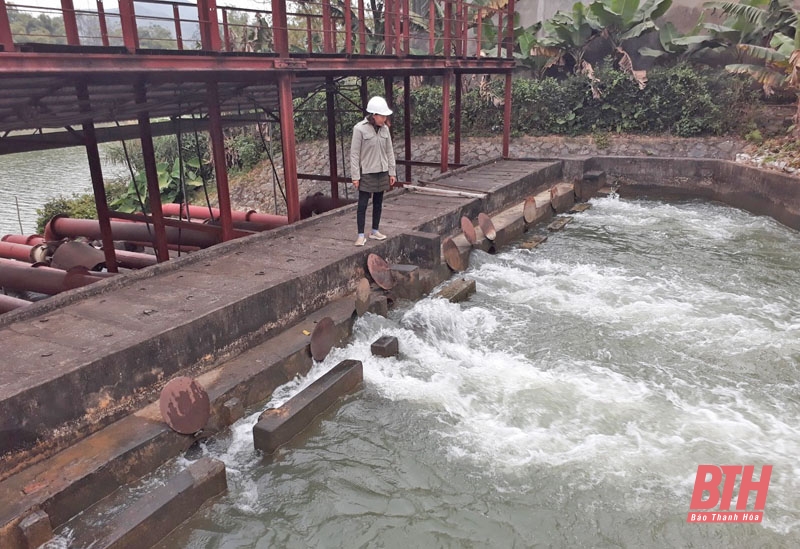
(377,105)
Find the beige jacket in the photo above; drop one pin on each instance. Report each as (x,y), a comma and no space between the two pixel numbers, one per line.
(371,151)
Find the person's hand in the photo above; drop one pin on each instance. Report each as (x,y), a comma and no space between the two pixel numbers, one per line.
(392,180)
(355,183)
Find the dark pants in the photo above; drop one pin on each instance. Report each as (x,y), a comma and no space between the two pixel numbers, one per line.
(377,207)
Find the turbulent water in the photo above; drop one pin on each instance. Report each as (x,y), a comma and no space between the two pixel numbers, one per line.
(31,179)
(567,404)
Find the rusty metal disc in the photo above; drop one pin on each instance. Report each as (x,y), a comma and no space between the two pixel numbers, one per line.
(486,225)
(322,339)
(468,229)
(184,405)
(529,209)
(380,271)
(452,255)
(362,296)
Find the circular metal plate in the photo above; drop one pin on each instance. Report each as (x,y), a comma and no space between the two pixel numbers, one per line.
(486,225)
(322,339)
(379,270)
(452,255)
(529,209)
(184,405)
(468,229)
(362,296)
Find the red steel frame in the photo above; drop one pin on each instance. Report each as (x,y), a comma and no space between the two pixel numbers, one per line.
(457,57)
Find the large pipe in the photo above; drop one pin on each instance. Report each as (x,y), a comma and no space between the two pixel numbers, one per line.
(8,303)
(44,280)
(268,221)
(30,240)
(66,227)
(20,252)
(134,260)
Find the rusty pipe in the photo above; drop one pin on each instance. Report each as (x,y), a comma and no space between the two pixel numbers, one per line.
(20,252)
(44,280)
(134,260)
(267,221)
(30,240)
(8,303)
(319,203)
(66,227)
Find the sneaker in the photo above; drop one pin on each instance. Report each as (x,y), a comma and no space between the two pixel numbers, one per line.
(377,235)
(361,240)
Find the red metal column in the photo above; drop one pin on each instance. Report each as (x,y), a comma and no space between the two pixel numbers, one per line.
(176,17)
(96,172)
(327,24)
(510,52)
(348,31)
(70,23)
(6,38)
(448,20)
(226,31)
(101,17)
(209,25)
(288,146)
(280,29)
(330,90)
(406,27)
(364,93)
(507,116)
(407,123)
(445,120)
(151,173)
(220,167)
(388,26)
(362,31)
(127,20)
(457,121)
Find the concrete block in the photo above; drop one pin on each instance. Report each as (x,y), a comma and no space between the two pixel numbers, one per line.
(36,529)
(589,184)
(509,225)
(559,223)
(406,282)
(457,290)
(278,426)
(533,242)
(578,208)
(421,248)
(148,520)
(378,304)
(540,209)
(385,346)
(563,197)
(232,410)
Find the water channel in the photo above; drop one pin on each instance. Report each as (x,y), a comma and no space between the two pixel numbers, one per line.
(31,179)
(567,404)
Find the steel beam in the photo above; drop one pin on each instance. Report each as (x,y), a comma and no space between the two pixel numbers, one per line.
(127,20)
(330,108)
(445,153)
(151,174)
(209,25)
(280,28)
(289,147)
(457,121)
(6,38)
(507,117)
(407,123)
(70,23)
(220,167)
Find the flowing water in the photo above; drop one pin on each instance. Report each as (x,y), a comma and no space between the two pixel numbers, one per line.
(567,404)
(33,178)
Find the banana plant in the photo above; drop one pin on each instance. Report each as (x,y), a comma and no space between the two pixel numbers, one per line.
(780,69)
(622,20)
(674,44)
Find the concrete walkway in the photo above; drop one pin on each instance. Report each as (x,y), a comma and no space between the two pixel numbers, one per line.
(81,360)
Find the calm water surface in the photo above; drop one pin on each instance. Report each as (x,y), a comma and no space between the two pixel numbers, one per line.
(567,404)
(34,178)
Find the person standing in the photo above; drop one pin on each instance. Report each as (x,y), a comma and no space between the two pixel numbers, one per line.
(372,165)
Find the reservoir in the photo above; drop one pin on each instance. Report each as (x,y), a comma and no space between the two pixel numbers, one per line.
(568,403)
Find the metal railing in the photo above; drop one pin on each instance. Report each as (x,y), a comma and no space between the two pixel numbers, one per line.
(445,28)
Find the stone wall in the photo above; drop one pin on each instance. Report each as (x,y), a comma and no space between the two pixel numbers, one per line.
(254,191)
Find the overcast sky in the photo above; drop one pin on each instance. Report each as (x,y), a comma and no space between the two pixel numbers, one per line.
(112,4)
